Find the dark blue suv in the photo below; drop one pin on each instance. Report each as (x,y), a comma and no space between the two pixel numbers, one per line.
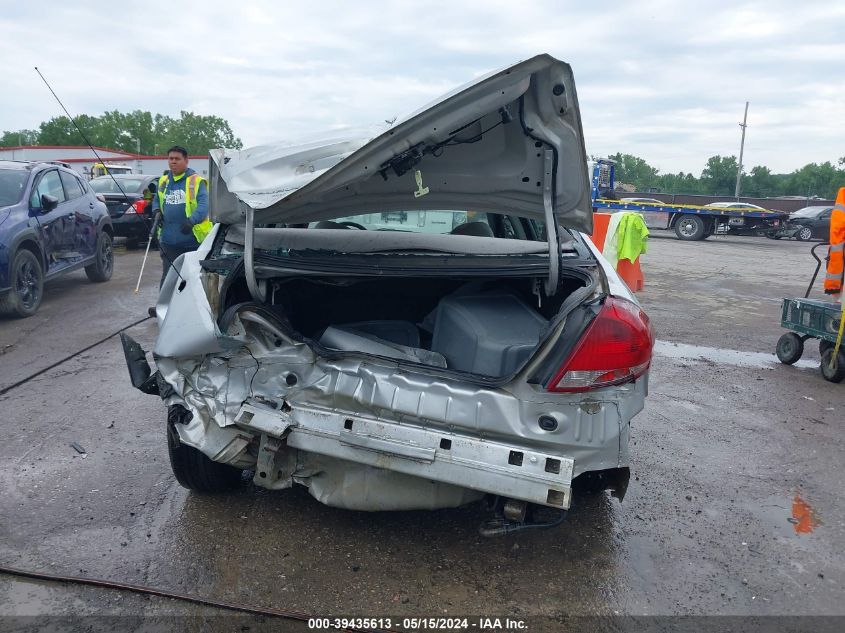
(51,223)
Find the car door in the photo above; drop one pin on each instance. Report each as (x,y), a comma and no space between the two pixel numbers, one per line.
(57,224)
(822,228)
(83,235)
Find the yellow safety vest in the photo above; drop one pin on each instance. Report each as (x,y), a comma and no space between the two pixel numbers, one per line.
(191,188)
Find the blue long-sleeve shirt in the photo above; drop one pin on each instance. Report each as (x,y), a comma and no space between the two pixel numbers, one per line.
(173,214)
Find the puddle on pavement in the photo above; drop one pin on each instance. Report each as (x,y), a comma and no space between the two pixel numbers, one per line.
(804,519)
(723,356)
(795,517)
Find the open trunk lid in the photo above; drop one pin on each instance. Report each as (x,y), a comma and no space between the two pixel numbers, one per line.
(509,142)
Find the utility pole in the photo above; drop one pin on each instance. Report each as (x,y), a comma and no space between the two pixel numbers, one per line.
(743,125)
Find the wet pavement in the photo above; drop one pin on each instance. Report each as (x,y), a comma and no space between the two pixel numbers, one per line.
(735,505)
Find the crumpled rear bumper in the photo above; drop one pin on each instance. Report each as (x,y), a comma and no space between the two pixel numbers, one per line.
(448,457)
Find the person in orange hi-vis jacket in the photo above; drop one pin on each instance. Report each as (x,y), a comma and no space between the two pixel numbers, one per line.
(836,259)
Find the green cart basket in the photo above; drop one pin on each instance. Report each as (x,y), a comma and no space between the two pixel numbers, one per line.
(811,318)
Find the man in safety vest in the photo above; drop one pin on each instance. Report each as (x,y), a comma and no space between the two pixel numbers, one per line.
(182,199)
(836,260)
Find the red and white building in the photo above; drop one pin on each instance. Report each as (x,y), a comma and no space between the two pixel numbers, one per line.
(82,158)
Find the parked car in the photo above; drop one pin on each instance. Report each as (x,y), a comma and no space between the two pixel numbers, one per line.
(407,369)
(749,225)
(129,201)
(642,200)
(809,223)
(734,206)
(51,223)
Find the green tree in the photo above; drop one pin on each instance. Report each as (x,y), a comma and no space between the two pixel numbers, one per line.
(131,132)
(21,137)
(814,179)
(679,183)
(635,171)
(198,133)
(139,131)
(719,176)
(60,130)
(761,183)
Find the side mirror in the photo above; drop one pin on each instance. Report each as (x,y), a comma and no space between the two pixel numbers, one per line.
(48,203)
(152,187)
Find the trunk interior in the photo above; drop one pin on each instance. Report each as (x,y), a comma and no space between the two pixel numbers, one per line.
(489,327)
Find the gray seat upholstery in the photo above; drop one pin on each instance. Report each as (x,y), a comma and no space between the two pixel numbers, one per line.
(479,229)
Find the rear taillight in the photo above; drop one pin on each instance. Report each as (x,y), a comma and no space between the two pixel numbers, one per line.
(137,207)
(615,348)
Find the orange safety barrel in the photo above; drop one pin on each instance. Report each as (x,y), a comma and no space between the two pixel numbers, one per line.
(631,273)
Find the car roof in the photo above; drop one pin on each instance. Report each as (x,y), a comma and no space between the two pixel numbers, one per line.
(820,207)
(33,165)
(17,164)
(732,204)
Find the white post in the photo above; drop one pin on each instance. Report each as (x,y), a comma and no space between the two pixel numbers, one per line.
(743,125)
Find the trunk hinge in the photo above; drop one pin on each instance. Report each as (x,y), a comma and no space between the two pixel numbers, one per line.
(551,223)
(255,290)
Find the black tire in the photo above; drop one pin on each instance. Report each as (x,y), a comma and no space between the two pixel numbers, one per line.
(805,234)
(789,349)
(837,374)
(690,228)
(823,346)
(192,469)
(103,266)
(27,281)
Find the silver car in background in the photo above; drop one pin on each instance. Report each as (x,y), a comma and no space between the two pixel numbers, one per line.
(409,318)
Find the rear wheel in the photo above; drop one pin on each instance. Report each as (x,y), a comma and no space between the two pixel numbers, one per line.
(103,265)
(789,349)
(193,470)
(690,227)
(837,372)
(27,282)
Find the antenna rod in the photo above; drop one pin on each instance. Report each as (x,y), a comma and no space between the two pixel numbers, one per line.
(100,160)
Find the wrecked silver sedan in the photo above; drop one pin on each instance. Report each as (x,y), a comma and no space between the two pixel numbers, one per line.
(409,319)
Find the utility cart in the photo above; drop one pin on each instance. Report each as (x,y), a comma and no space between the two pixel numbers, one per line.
(812,318)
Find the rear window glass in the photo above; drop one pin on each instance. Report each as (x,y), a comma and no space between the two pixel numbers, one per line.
(12,185)
(108,185)
(413,221)
(808,212)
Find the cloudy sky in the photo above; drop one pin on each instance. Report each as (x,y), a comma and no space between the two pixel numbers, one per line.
(666,81)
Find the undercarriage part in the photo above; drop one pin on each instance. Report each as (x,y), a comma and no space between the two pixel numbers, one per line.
(613,479)
(515,510)
(501,525)
(275,464)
